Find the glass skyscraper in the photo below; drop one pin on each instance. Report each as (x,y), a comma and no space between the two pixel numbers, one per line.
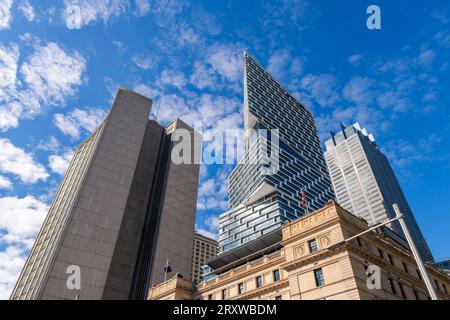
(283,160)
(365,183)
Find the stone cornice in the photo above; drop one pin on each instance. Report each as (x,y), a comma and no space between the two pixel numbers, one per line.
(265,289)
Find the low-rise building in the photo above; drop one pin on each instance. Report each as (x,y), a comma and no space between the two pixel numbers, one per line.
(312,262)
(203,250)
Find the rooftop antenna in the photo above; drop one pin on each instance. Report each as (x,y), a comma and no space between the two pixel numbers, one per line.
(157,109)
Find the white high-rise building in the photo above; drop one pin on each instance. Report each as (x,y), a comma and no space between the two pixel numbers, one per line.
(365,184)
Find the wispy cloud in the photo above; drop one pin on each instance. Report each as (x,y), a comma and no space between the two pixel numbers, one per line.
(79,121)
(282,64)
(142,7)
(27,10)
(59,163)
(5,183)
(15,161)
(322,89)
(20,220)
(5,14)
(355,59)
(94,10)
(49,76)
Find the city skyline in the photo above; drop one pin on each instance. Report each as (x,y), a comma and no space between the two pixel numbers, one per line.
(57,83)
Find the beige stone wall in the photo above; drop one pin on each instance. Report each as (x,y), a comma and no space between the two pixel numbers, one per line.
(343,266)
(203,250)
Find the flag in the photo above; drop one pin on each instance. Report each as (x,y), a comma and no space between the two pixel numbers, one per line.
(303,200)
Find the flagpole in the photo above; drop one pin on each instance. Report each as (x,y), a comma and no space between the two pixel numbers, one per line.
(166,267)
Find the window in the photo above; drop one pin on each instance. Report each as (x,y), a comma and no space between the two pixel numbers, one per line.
(405,266)
(210,297)
(359,242)
(416,294)
(391,260)
(380,253)
(279,298)
(318,274)
(224,294)
(312,245)
(402,291)
(445,288)
(419,274)
(276,275)
(241,288)
(259,281)
(392,286)
(436,284)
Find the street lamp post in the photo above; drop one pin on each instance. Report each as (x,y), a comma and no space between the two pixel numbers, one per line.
(420,264)
(417,257)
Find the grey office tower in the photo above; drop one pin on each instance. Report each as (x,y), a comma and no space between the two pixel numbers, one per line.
(365,183)
(122,209)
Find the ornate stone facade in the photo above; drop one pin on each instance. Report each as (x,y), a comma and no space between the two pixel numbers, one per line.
(313,263)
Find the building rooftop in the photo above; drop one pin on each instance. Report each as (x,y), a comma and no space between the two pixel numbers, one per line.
(346,132)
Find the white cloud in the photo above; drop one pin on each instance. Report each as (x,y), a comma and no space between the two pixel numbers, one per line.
(211,227)
(93,10)
(27,10)
(172,78)
(147,91)
(408,156)
(20,220)
(52,144)
(144,61)
(5,14)
(5,183)
(60,163)
(187,36)
(282,13)
(359,90)
(443,37)
(406,63)
(203,77)
(12,261)
(320,88)
(142,7)
(281,63)
(52,74)
(49,76)
(213,191)
(209,109)
(355,59)
(426,57)
(9,57)
(209,234)
(79,121)
(226,60)
(15,161)
(166,11)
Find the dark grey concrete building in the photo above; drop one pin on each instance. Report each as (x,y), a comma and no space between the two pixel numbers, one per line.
(122,209)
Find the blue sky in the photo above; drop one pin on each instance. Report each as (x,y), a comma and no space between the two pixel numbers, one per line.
(57,83)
